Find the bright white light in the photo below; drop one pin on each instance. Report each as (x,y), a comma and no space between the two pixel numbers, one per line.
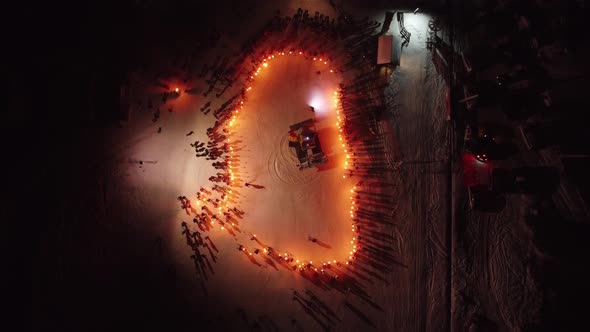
(317,100)
(418,21)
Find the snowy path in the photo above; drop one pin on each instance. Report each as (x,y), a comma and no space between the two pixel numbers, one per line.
(419,140)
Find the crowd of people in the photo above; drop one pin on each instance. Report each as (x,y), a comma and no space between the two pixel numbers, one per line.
(200,149)
(361,103)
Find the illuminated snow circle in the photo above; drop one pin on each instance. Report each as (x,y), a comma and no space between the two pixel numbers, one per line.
(281,166)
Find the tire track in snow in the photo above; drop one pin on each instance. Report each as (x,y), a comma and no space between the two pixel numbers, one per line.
(281,165)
